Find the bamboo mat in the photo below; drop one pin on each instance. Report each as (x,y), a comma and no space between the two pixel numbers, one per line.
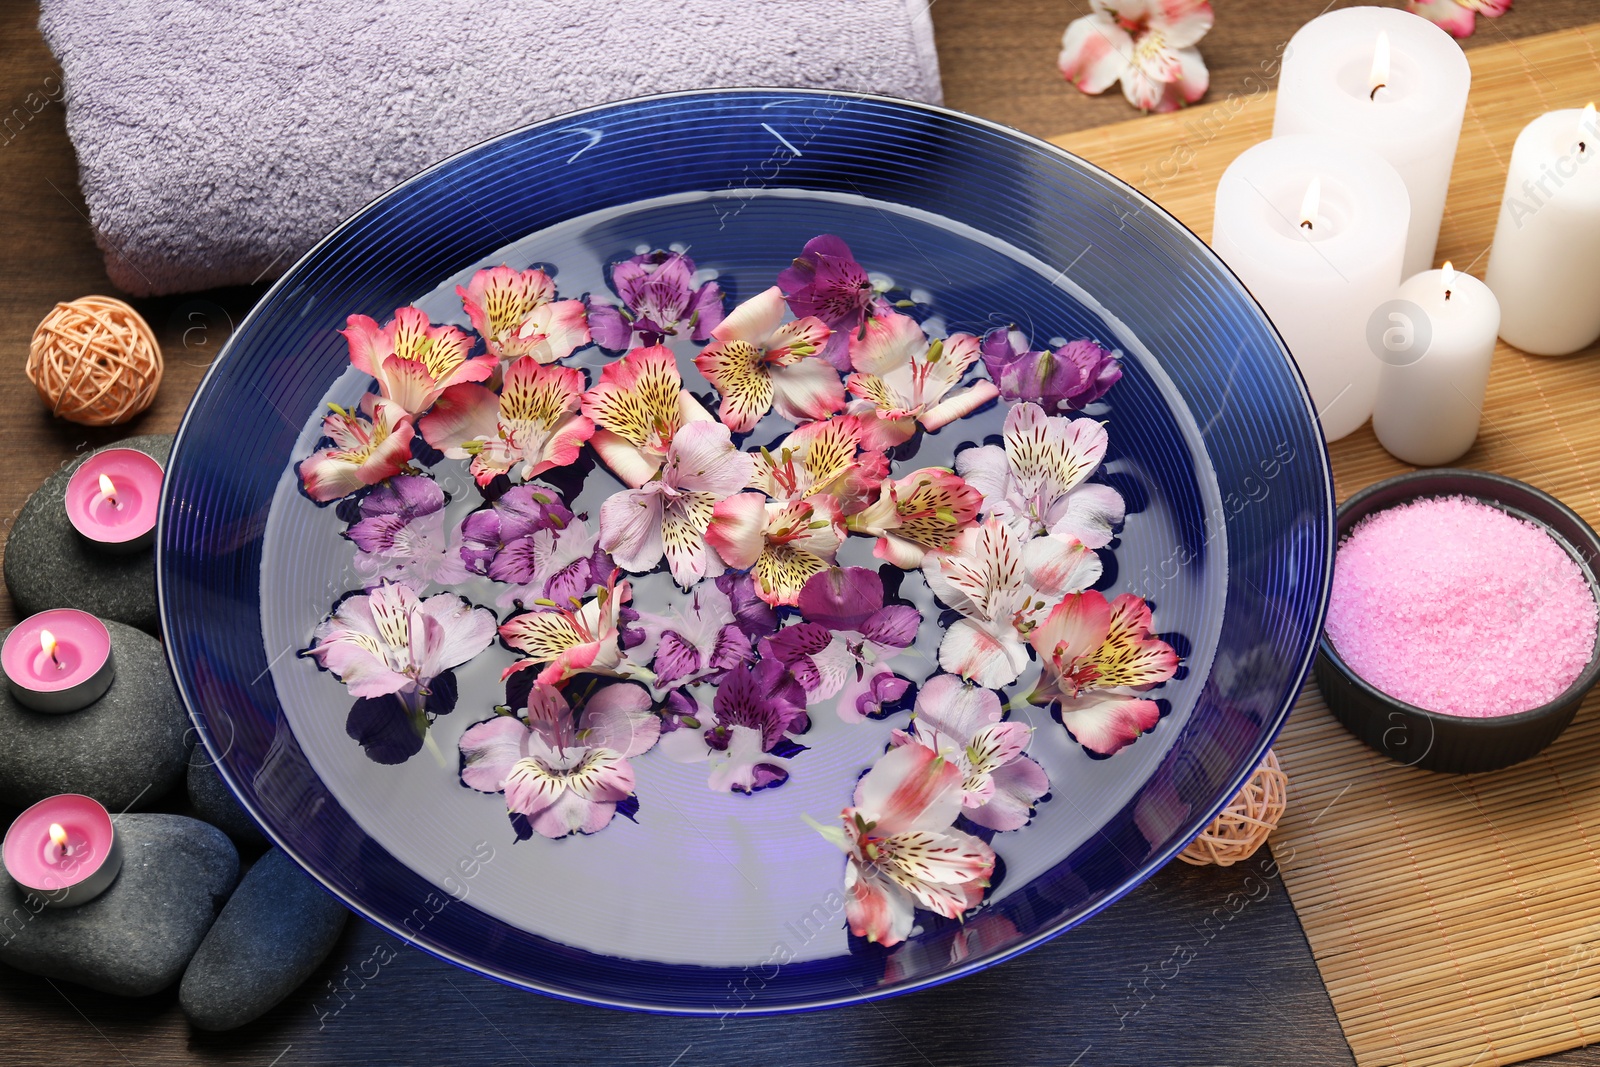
(1455,919)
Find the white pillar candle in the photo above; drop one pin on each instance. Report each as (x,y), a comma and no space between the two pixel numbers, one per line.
(1439,338)
(1318,270)
(1545,264)
(1393,82)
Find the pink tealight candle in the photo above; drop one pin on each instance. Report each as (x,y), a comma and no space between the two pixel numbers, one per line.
(63,850)
(58,660)
(112,499)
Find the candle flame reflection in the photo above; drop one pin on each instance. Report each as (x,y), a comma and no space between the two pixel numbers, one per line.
(58,834)
(1309,204)
(1379,77)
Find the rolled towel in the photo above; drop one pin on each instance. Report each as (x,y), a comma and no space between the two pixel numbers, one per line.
(219,139)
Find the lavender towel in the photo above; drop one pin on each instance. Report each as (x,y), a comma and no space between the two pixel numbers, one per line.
(219,139)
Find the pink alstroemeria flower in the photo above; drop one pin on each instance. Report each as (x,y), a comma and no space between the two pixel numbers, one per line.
(829,456)
(670,514)
(1037,483)
(901,851)
(781,543)
(370,444)
(1146,44)
(639,404)
(531,427)
(1092,653)
(923,511)
(962,723)
(759,363)
(1458,17)
(388,640)
(565,777)
(517,315)
(413,360)
(908,379)
(581,639)
(1003,588)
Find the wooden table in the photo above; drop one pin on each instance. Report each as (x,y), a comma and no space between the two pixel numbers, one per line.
(1109,992)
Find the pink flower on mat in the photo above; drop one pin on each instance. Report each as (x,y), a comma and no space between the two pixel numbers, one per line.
(669,515)
(901,851)
(566,641)
(1458,17)
(923,511)
(566,777)
(517,314)
(1093,653)
(781,543)
(532,426)
(962,723)
(908,379)
(1148,45)
(759,363)
(388,640)
(638,405)
(370,443)
(829,456)
(413,360)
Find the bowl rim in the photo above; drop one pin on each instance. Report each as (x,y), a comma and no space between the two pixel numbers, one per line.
(1359,506)
(1323,473)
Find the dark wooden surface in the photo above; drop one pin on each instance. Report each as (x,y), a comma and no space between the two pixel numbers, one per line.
(1150,981)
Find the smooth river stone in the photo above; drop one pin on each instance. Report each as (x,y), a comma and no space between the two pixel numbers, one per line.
(135,938)
(127,749)
(49,565)
(214,802)
(276,929)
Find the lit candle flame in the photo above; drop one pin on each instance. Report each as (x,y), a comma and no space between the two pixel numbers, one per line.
(47,641)
(1310,203)
(108,488)
(1380,65)
(1447,274)
(58,834)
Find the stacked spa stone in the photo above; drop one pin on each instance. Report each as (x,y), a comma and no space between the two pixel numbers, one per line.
(178,909)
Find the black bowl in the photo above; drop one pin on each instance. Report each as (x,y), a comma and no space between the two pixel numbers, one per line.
(1415,736)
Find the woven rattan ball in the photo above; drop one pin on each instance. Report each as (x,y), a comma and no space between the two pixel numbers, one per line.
(1245,823)
(95,361)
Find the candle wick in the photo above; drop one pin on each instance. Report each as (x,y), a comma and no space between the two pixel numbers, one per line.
(1373,96)
(1447,294)
(1306,225)
(54,659)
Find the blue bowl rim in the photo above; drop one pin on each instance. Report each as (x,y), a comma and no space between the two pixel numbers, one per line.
(966,967)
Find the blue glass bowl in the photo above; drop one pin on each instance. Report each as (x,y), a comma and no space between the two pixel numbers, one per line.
(1214,445)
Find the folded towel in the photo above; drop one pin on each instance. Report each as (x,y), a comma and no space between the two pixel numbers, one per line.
(219,139)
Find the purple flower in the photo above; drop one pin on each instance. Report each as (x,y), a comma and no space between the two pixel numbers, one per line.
(841,648)
(1076,374)
(497,541)
(751,717)
(714,629)
(401,535)
(827,282)
(660,300)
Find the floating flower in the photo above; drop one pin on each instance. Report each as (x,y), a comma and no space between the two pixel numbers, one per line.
(413,360)
(1148,45)
(368,444)
(825,281)
(781,543)
(670,514)
(1072,376)
(582,639)
(901,852)
(1037,483)
(698,638)
(962,723)
(662,301)
(388,640)
(1003,588)
(759,363)
(1092,652)
(639,404)
(752,716)
(829,456)
(924,510)
(517,315)
(1458,17)
(531,427)
(908,379)
(564,777)
(841,650)
(401,536)
(490,536)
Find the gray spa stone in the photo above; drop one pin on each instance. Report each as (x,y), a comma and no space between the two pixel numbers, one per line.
(48,565)
(127,749)
(135,938)
(274,932)
(214,802)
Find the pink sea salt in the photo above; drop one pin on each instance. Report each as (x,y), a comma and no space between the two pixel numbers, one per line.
(1460,608)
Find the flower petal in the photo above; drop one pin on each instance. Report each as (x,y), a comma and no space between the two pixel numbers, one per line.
(1054,566)
(910,788)
(958,405)
(704,460)
(1106,723)
(974,651)
(618,718)
(631,529)
(490,749)
(1130,656)
(467,412)
(1094,53)
(807,390)
(1090,514)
